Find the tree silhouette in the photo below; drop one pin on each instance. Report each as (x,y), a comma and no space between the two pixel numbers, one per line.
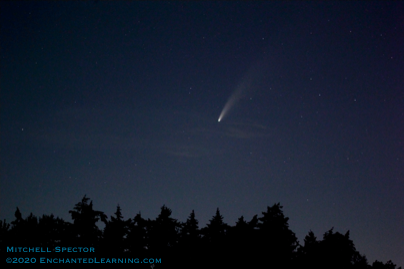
(115,232)
(46,232)
(163,232)
(241,240)
(334,251)
(215,230)
(213,241)
(262,242)
(308,254)
(190,234)
(25,231)
(277,242)
(54,232)
(189,244)
(359,261)
(388,265)
(136,240)
(86,232)
(337,250)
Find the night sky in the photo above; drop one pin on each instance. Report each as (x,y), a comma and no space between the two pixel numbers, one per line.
(120,101)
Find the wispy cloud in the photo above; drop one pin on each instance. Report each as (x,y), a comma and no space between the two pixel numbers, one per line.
(190,151)
(239,130)
(78,128)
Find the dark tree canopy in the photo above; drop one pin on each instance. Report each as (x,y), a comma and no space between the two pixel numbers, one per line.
(85,219)
(265,241)
(115,233)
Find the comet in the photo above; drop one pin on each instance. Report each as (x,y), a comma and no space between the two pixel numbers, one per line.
(249,83)
(233,99)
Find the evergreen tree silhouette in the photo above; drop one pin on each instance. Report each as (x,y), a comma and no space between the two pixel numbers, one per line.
(265,242)
(189,242)
(214,243)
(18,217)
(242,237)
(115,232)
(54,232)
(86,232)
(388,265)
(215,231)
(309,252)
(136,240)
(337,250)
(24,232)
(190,234)
(360,261)
(334,251)
(162,237)
(276,241)
(163,232)
(47,231)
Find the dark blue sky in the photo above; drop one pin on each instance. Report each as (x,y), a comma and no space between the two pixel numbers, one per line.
(120,101)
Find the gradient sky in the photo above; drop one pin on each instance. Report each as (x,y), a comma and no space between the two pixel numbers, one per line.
(120,101)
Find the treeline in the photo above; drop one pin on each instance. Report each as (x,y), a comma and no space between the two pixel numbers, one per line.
(262,242)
